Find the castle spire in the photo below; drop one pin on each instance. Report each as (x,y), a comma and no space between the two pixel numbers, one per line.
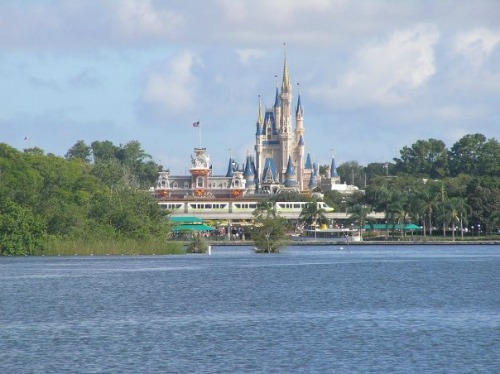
(285,85)
(300,109)
(260,119)
(333,169)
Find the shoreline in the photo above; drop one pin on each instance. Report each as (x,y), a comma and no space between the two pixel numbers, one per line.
(363,243)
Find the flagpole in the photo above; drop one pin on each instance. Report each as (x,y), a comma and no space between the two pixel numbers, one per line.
(199,134)
(197,124)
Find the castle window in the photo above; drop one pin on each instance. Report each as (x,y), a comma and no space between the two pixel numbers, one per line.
(186,184)
(175,185)
(199,182)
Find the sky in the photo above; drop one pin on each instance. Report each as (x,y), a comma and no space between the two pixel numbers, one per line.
(374,76)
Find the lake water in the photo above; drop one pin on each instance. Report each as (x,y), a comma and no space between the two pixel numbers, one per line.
(394,309)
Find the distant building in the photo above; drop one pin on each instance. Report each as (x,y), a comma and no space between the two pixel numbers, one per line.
(279,163)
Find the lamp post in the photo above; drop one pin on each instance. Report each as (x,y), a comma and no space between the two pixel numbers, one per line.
(472,231)
(478,230)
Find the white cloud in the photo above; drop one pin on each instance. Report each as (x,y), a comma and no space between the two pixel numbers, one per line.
(475,61)
(247,55)
(173,88)
(387,72)
(456,113)
(477,45)
(138,18)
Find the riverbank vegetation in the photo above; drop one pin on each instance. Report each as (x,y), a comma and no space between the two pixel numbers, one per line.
(72,205)
(95,199)
(451,193)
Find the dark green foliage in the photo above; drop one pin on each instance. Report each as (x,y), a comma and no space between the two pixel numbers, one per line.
(46,196)
(269,235)
(311,214)
(128,164)
(197,244)
(288,196)
(80,151)
(484,202)
(474,155)
(351,172)
(103,151)
(425,158)
(21,231)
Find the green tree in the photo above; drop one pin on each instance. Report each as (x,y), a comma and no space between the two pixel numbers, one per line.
(21,231)
(312,213)
(113,174)
(269,234)
(197,244)
(377,169)
(494,222)
(359,216)
(454,213)
(489,160)
(425,158)
(103,151)
(79,151)
(485,205)
(34,151)
(265,209)
(334,199)
(18,181)
(351,172)
(132,153)
(474,155)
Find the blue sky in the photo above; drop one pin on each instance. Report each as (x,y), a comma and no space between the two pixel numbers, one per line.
(374,76)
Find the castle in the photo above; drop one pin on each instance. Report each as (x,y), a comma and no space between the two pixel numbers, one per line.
(279,163)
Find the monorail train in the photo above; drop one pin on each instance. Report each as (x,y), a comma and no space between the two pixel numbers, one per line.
(196,207)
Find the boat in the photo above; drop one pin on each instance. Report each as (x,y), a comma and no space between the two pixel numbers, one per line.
(328,235)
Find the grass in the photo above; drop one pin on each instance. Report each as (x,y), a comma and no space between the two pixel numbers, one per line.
(110,247)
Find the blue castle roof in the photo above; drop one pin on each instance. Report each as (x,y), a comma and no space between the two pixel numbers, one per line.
(333,169)
(290,175)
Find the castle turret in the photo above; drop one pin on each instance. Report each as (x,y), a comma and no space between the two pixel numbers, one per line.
(312,182)
(299,118)
(230,167)
(290,175)
(249,174)
(333,169)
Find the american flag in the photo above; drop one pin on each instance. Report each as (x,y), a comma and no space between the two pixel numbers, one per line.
(196,124)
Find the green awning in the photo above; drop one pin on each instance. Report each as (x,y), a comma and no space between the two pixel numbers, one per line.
(193,227)
(186,219)
(392,226)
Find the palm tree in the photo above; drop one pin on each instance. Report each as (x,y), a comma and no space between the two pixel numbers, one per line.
(359,214)
(494,221)
(312,213)
(265,209)
(429,200)
(451,215)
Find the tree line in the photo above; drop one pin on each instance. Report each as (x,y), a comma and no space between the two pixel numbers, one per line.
(45,197)
(100,191)
(435,187)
